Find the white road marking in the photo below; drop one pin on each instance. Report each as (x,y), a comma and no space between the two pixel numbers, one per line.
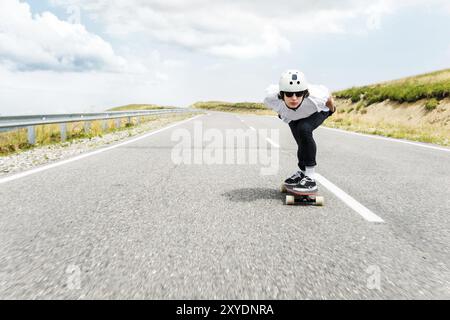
(268,139)
(387,138)
(347,199)
(85,155)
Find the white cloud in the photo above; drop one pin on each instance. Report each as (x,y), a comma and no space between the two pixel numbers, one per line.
(244,29)
(271,42)
(238,29)
(375,13)
(174,63)
(43,42)
(64,92)
(162,76)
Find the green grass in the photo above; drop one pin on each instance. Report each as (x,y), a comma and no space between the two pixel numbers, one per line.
(239,107)
(431,104)
(218,105)
(434,85)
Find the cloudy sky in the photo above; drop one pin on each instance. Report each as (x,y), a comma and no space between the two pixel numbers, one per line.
(89,55)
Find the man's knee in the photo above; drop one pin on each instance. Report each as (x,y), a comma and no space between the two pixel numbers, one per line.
(304,130)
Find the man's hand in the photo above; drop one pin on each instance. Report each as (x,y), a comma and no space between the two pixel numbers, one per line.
(330,104)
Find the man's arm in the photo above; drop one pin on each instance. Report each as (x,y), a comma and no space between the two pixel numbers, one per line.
(330,104)
(271,100)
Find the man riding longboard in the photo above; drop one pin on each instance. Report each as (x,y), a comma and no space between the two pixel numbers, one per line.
(304,108)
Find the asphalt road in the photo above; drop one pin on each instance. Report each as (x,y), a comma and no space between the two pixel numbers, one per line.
(133,223)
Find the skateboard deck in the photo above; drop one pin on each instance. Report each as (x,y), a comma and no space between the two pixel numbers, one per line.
(297,197)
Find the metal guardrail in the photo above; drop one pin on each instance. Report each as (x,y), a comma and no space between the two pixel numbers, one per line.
(9,123)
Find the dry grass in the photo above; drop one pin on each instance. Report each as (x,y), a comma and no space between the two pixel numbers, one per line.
(240,107)
(410,121)
(414,108)
(16,141)
(427,78)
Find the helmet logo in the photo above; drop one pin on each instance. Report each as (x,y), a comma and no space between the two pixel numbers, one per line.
(293,80)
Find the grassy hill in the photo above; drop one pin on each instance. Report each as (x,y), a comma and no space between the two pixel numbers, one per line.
(240,107)
(432,86)
(414,108)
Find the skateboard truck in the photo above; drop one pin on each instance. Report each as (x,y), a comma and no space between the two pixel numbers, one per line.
(297,197)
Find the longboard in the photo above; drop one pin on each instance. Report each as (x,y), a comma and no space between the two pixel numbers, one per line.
(298,197)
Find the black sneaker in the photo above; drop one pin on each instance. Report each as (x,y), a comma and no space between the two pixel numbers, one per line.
(294,179)
(306,185)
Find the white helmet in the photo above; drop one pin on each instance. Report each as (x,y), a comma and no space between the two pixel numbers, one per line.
(293,81)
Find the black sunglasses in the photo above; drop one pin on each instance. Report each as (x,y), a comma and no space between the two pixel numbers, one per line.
(299,94)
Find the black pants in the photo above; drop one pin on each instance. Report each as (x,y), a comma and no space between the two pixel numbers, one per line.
(302,130)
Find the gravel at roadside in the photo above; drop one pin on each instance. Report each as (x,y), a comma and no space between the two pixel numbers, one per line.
(41,155)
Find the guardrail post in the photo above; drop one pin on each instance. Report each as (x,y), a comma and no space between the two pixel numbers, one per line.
(31,122)
(32,135)
(63,130)
(87,126)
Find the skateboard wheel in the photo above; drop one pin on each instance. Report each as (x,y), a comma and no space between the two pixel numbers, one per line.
(320,201)
(283,188)
(290,200)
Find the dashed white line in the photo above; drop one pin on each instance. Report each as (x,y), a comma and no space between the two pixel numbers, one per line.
(273,143)
(347,199)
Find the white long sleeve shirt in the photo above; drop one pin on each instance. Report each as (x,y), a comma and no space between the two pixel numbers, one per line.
(316,102)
